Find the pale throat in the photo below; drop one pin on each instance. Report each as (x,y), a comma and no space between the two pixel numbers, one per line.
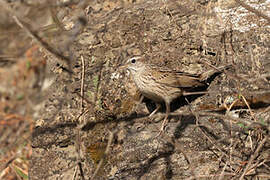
(136,71)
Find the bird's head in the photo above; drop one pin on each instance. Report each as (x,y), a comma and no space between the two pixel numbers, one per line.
(134,64)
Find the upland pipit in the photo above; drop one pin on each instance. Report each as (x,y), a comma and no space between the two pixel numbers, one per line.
(160,84)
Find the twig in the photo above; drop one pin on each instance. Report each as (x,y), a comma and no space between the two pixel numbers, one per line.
(212,66)
(5,165)
(42,43)
(228,109)
(78,129)
(250,111)
(257,164)
(81,114)
(36,37)
(75,172)
(82,84)
(265,176)
(86,100)
(265,165)
(253,157)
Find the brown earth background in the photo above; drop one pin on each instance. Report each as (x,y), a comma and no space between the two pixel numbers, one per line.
(67,111)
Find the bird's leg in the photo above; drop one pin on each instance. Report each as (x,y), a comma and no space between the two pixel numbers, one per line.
(139,102)
(165,121)
(141,99)
(157,108)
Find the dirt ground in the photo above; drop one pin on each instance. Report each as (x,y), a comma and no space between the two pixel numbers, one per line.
(90,119)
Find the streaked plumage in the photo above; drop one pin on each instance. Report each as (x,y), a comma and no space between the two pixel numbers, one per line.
(160,84)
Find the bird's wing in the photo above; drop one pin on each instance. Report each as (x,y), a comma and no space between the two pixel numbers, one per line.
(176,79)
(189,81)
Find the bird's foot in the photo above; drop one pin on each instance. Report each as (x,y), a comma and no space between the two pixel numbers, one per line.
(154,112)
(162,129)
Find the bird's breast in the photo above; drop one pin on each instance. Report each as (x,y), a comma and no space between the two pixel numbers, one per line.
(155,91)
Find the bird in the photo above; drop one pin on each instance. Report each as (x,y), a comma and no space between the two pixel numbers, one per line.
(160,84)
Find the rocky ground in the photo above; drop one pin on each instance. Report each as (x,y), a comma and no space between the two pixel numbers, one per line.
(90,120)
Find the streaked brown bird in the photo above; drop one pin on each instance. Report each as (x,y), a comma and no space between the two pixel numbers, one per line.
(160,84)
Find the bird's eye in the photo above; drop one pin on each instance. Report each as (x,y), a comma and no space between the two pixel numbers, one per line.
(133,61)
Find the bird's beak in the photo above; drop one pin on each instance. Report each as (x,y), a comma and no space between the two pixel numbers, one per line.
(122,67)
